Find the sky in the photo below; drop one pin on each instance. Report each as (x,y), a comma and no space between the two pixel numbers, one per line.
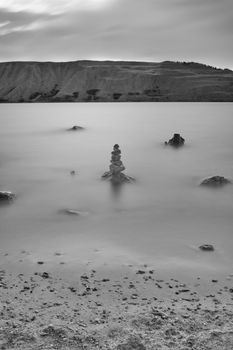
(138,30)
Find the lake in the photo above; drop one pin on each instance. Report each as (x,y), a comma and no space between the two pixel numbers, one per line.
(160,220)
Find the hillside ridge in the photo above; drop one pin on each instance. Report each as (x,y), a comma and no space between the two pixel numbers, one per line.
(118,81)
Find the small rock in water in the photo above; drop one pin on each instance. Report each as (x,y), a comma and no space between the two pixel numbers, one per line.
(176,141)
(6,196)
(215,181)
(76,127)
(74,212)
(207,247)
(72,172)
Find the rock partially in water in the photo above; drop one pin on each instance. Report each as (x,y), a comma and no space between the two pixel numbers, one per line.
(116,168)
(6,196)
(74,212)
(72,172)
(76,128)
(176,141)
(215,181)
(207,247)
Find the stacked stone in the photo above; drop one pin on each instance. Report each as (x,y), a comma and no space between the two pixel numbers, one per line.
(116,168)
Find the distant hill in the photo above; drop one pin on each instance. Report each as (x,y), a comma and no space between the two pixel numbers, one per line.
(113,81)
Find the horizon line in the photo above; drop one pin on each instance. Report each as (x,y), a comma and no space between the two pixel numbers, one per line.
(116,61)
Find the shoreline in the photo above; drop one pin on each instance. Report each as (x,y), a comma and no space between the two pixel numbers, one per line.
(56,306)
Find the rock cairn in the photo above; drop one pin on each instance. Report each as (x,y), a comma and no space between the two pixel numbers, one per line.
(176,141)
(116,168)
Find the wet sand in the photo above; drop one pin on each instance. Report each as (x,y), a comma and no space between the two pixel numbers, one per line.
(58,305)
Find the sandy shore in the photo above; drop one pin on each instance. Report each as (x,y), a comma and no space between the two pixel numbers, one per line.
(53,305)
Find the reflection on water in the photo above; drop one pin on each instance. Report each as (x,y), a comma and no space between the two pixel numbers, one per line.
(116,189)
(162,218)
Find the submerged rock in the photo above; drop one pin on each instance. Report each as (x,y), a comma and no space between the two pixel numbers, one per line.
(176,141)
(215,181)
(74,212)
(116,168)
(6,196)
(207,247)
(76,127)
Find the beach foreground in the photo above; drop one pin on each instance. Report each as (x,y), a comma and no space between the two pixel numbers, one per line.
(58,305)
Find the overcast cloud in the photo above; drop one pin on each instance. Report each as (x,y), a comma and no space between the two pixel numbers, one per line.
(151,30)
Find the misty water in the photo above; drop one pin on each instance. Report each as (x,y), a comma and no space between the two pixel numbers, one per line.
(160,220)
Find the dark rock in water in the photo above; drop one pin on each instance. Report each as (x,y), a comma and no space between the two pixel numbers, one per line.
(74,212)
(76,127)
(176,141)
(6,196)
(207,247)
(215,181)
(115,174)
(72,172)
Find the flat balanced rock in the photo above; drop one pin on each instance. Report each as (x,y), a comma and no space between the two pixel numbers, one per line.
(117,179)
(215,181)
(207,247)
(6,196)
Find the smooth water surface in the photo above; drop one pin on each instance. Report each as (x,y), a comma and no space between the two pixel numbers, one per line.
(162,219)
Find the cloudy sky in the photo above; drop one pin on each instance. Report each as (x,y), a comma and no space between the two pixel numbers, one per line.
(150,30)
